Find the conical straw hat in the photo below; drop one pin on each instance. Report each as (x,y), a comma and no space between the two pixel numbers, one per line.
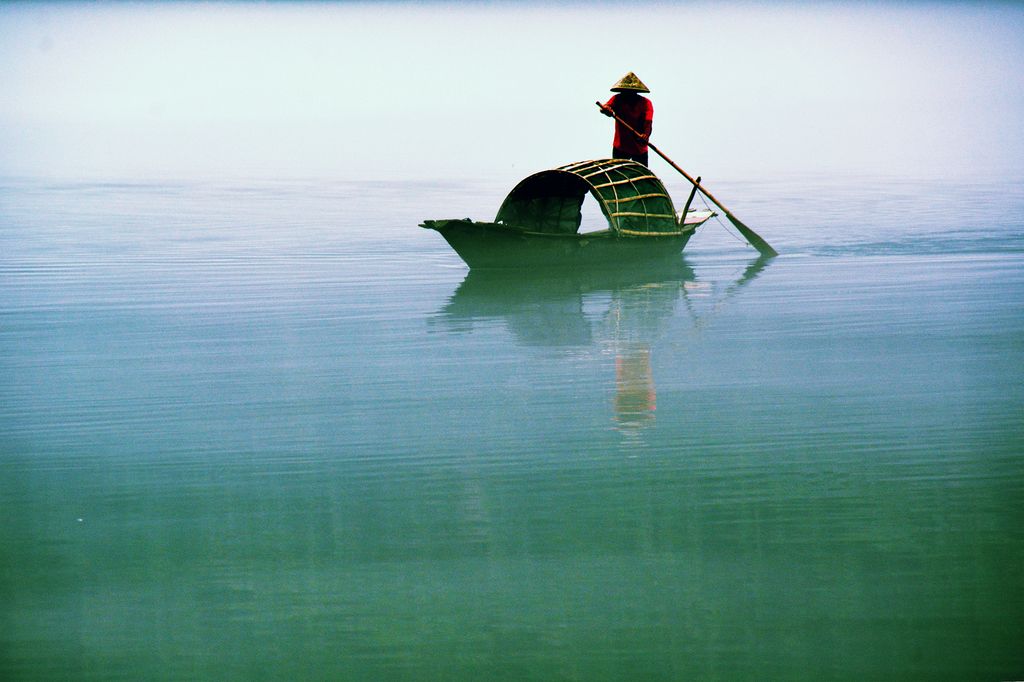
(630,83)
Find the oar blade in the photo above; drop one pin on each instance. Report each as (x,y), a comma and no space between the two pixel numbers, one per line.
(763,247)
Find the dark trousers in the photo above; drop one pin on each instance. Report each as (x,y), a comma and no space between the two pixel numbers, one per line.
(639,158)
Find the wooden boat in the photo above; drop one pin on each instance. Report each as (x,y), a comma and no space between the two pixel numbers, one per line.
(538,223)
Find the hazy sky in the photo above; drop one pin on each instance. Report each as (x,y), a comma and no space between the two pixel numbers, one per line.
(427,90)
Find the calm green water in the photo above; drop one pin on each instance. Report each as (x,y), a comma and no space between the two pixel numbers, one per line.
(269,431)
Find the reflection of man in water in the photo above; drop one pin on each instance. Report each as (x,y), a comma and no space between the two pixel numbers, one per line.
(635,397)
(635,110)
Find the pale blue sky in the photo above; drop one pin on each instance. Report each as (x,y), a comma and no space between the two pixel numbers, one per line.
(435,90)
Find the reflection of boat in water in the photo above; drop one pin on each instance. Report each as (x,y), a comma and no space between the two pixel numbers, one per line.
(538,223)
(621,311)
(548,307)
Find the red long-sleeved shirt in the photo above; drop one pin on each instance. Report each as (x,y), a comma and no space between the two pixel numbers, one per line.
(638,112)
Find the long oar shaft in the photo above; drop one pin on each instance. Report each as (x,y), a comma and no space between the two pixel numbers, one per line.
(755,240)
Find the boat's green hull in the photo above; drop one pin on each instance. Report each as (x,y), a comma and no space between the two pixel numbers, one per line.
(493,245)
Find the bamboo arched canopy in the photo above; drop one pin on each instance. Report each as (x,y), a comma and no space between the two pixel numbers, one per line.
(631,197)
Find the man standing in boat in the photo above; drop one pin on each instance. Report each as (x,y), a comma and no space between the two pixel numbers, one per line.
(635,110)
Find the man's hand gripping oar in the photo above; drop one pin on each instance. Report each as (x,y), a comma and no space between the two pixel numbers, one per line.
(752,237)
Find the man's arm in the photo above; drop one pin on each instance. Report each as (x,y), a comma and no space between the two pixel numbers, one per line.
(606,108)
(648,121)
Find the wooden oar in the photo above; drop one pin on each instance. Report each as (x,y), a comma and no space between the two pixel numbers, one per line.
(751,236)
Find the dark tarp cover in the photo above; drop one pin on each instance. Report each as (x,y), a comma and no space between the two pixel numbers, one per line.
(631,197)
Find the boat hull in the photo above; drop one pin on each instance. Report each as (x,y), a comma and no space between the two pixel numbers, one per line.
(496,246)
